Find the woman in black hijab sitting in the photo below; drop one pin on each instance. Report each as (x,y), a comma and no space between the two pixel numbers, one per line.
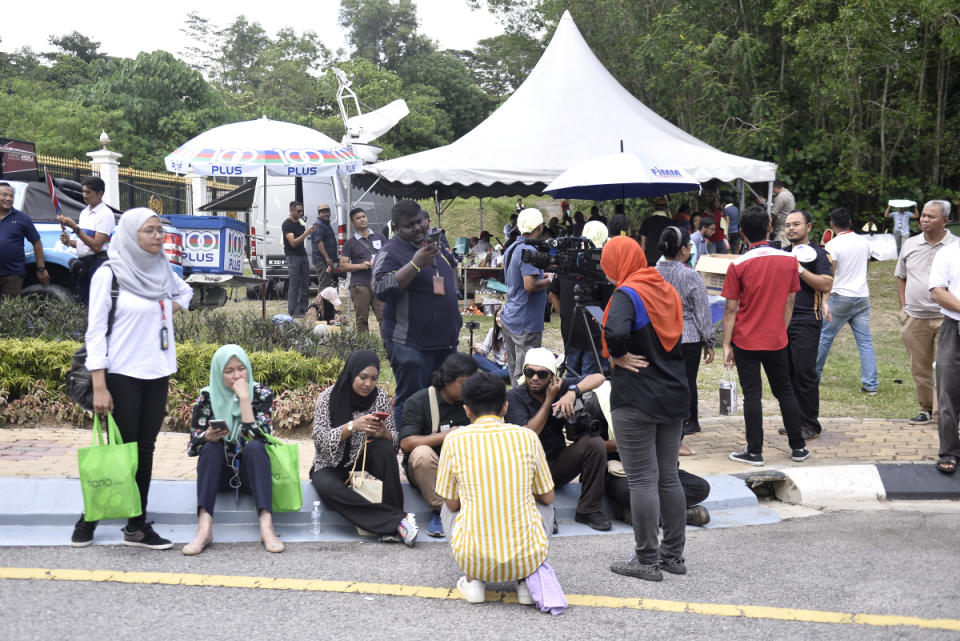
(350,413)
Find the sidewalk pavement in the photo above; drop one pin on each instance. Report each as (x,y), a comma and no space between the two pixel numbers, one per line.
(51,451)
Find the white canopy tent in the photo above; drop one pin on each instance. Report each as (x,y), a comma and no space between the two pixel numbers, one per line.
(569,109)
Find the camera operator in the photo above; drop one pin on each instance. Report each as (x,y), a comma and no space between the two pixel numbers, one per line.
(522,314)
(542,402)
(577,346)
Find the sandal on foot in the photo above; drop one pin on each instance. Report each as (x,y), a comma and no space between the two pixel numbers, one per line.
(685,450)
(947,464)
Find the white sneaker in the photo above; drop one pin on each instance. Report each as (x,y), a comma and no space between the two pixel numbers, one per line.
(523,594)
(473,591)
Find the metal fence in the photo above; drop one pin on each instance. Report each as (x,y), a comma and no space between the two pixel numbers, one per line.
(162,192)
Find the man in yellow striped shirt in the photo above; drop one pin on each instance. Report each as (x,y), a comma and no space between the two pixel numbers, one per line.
(498,493)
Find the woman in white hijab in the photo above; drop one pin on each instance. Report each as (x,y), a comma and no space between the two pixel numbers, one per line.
(131,362)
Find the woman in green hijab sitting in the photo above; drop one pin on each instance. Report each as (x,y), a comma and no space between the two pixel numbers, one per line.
(231,410)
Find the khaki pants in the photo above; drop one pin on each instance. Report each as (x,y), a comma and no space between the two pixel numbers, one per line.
(363,299)
(422,474)
(919,336)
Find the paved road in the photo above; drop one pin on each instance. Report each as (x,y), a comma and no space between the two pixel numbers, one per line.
(898,563)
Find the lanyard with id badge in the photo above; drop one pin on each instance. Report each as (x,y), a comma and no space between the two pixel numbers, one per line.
(164,335)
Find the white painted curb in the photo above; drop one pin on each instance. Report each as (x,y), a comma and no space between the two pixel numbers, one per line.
(829,484)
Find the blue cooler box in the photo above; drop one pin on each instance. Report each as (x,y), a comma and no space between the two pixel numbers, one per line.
(212,244)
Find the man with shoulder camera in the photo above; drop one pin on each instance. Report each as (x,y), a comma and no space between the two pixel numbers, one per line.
(522,314)
(542,402)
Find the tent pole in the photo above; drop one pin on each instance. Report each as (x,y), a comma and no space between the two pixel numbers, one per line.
(481,213)
(436,206)
(263,248)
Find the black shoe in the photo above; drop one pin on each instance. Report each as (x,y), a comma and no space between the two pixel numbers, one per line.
(673,566)
(145,537)
(868,392)
(809,433)
(923,418)
(690,427)
(782,431)
(596,520)
(83,533)
(556,526)
(746,457)
(800,455)
(698,515)
(637,570)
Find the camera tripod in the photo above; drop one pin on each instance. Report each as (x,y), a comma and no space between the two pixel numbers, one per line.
(580,314)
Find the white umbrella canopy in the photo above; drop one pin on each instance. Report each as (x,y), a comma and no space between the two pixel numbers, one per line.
(250,147)
(621,175)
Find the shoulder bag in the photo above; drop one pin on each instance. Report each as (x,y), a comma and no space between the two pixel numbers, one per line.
(79,383)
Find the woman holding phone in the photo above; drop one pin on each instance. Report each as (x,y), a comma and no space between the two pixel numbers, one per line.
(228,418)
(349,414)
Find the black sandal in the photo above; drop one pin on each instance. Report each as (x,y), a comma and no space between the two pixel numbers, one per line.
(947,464)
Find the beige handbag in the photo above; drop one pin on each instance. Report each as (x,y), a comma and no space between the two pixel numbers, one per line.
(364,483)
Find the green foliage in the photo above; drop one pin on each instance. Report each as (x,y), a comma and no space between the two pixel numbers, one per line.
(23,362)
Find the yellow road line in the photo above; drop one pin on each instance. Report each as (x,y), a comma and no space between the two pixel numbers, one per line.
(425,592)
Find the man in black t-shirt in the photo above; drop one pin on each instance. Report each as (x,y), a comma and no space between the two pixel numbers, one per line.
(816,279)
(298,265)
(356,258)
(540,403)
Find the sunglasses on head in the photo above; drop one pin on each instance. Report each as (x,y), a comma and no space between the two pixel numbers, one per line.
(542,374)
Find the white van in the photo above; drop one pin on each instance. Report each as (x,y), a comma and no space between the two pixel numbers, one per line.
(266,242)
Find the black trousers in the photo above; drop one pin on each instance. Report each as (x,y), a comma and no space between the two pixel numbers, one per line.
(587,457)
(775,366)
(83,271)
(138,408)
(379,518)
(214,474)
(695,489)
(691,360)
(948,386)
(804,338)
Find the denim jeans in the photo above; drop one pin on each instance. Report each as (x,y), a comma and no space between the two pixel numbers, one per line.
(581,361)
(298,284)
(856,312)
(717,247)
(412,369)
(487,365)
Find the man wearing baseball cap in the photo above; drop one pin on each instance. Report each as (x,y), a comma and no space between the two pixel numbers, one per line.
(523,311)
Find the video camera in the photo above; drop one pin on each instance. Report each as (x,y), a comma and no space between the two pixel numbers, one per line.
(570,255)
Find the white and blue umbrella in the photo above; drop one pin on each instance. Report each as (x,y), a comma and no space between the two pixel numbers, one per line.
(252,147)
(621,175)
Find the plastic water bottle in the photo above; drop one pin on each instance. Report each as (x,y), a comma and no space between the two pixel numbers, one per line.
(315,519)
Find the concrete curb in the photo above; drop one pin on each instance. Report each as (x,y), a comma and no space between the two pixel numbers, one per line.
(42,511)
(832,484)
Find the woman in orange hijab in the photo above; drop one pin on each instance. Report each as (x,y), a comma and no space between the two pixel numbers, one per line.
(649,400)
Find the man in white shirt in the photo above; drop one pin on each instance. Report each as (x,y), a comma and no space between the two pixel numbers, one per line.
(92,232)
(850,298)
(945,291)
(919,316)
(901,224)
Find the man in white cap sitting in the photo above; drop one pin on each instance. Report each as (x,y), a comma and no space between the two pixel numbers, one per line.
(327,295)
(542,402)
(523,311)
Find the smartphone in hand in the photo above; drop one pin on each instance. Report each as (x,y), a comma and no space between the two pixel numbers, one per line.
(433,238)
(217,425)
(381,416)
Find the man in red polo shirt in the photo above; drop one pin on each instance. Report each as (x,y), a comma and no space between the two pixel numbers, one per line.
(760,287)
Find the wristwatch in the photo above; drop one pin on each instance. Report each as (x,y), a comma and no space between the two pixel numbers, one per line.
(350,427)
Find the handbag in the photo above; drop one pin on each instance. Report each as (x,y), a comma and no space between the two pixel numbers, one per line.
(79,382)
(108,475)
(285,470)
(728,393)
(364,483)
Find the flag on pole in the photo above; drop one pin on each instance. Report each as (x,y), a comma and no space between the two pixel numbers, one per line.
(50,188)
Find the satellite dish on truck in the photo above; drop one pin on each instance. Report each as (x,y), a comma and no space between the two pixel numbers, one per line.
(363,128)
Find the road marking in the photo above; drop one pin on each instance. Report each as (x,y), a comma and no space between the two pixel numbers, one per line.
(426,592)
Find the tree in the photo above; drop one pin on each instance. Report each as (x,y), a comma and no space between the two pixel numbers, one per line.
(382,31)
(78,45)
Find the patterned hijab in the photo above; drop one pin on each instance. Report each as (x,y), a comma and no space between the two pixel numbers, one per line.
(225,404)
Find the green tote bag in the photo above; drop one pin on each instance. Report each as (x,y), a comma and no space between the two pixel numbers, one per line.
(285,469)
(108,475)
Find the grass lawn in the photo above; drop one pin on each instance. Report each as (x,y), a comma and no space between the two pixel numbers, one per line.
(839,391)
